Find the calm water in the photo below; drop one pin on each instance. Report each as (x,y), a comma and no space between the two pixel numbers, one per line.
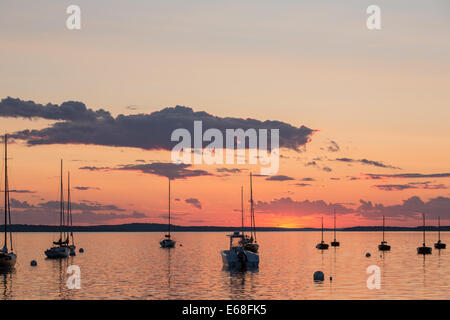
(132,266)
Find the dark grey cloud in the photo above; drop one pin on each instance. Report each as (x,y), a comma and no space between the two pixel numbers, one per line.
(412,185)
(229,170)
(327,169)
(407,175)
(194,202)
(333,147)
(288,206)
(94,168)
(166,169)
(302,184)
(410,208)
(81,188)
(367,162)
(83,212)
(80,125)
(308,179)
(19,191)
(279,178)
(162,169)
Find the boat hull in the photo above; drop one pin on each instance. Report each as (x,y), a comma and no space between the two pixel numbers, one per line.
(384,247)
(439,245)
(57,252)
(335,244)
(322,246)
(167,243)
(7,260)
(424,250)
(239,259)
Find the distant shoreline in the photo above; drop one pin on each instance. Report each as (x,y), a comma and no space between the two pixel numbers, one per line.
(155,227)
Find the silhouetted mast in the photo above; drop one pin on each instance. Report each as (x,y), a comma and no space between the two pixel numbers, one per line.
(439,228)
(169,207)
(334,224)
(69,207)
(383,228)
(252,213)
(6,191)
(322,229)
(423,215)
(61,206)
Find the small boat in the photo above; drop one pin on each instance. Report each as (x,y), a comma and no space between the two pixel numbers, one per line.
(335,243)
(168,242)
(237,256)
(7,257)
(424,249)
(383,246)
(60,248)
(439,244)
(322,245)
(250,243)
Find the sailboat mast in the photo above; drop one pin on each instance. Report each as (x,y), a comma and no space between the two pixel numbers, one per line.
(169,208)
(439,228)
(423,215)
(69,207)
(383,228)
(335,224)
(322,229)
(61,205)
(6,190)
(242,208)
(252,213)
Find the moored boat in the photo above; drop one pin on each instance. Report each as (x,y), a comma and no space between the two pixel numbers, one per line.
(168,242)
(7,256)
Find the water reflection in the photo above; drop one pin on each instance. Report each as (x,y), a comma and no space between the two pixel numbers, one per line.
(7,283)
(241,282)
(285,272)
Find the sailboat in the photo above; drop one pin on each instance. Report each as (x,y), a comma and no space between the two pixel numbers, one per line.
(72,247)
(60,248)
(7,258)
(322,245)
(439,244)
(167,242)
(238,255)
(250,243)
(424,249)
(383,246)
(335,243)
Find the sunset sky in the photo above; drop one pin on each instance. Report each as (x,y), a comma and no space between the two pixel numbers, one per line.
(375,106)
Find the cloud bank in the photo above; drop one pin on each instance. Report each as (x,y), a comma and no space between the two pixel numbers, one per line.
(79,125)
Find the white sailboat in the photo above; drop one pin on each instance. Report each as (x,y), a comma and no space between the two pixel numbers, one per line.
(238,256)
(7,257)
(60,248)
(168,242)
